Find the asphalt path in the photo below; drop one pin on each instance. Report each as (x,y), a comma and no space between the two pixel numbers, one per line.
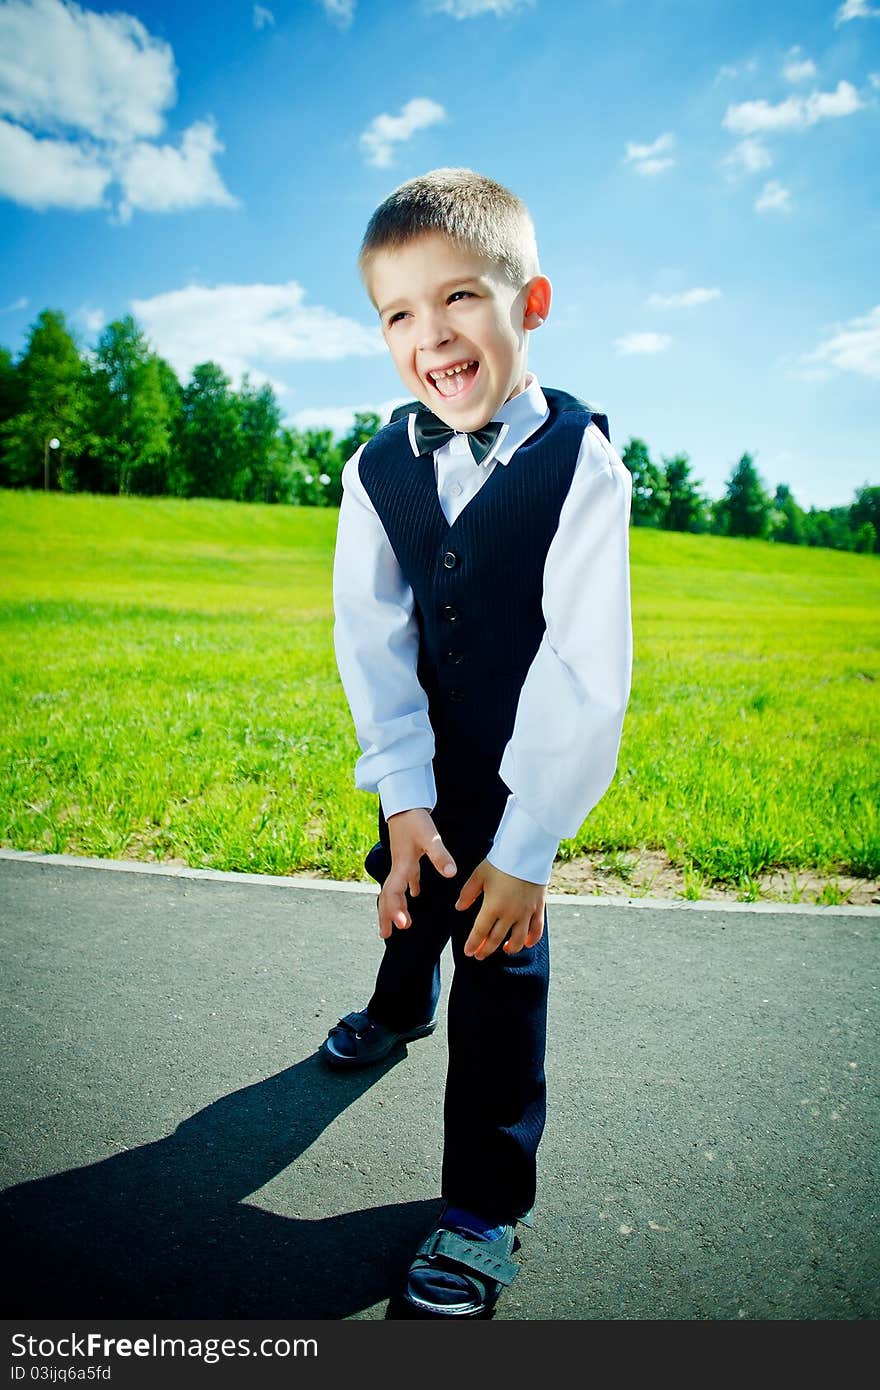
(174,1148)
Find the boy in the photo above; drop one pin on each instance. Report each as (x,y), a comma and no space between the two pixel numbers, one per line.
(483,637)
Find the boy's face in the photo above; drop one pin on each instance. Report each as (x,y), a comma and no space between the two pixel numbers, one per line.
(443,306)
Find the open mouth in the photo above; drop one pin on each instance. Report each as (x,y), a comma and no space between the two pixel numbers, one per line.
(455,380)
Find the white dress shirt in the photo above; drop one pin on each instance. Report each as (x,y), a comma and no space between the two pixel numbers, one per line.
(563,751)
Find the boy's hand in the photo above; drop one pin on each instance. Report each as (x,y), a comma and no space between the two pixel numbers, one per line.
(510,906)
(412,834)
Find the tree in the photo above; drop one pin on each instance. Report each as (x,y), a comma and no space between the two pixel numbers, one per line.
(206,456)
(830,528)
(11,402)
(745,507)
(131,414)
(685,509)
(262,472)
(50,386)
(317,468)
(866,538)
(865,511)
(787,521)
(366,423)
(650,495)
(11,387)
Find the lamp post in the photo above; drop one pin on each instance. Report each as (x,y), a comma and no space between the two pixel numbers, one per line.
(52,443)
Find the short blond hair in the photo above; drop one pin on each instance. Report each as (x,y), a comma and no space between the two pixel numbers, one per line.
(469,208)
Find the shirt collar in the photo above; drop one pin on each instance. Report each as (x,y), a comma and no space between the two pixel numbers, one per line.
(521,416)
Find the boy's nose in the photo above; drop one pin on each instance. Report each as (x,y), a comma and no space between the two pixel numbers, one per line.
(434,333)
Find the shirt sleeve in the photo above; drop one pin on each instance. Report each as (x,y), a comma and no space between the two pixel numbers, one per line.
(563,751)
(376,640)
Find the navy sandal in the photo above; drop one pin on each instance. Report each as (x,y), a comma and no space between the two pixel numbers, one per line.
(358,1040)
(454,1276)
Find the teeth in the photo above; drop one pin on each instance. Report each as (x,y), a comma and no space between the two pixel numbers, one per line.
(451,371)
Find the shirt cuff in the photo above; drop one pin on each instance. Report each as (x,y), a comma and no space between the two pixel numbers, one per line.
(522,847)
(405,791)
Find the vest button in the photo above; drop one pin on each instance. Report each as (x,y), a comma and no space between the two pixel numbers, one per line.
(457,697)
(455,658)
(450,560)
(449,614)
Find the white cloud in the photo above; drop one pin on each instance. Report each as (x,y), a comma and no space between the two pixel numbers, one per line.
(385,131)
(732,70)
(85,94)
(856,9)
(749,156)
(16,304)
(853,347)
(651,159)
(874,79)
(92,320)
(841,102)
(639,344)
(160,178)
(263,18)
(64,66)
(246,327)
(340,418)
(340,11)
(795,113)
(50,173)
(773,198)
(685,299)
(470,9)
(648,167)
(797,69)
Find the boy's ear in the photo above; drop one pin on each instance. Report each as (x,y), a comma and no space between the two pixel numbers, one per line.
(537,307)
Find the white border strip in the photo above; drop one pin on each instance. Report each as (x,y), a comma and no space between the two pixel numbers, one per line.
(135,866)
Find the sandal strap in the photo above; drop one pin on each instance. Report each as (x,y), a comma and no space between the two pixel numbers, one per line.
(354,1023)
(472,1254)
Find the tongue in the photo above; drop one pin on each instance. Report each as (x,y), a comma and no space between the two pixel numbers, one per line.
(454,385)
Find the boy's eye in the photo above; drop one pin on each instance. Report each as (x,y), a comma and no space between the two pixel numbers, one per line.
(465,294)
(401,314)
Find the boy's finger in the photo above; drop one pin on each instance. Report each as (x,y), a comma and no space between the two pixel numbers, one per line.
(399,915)
(391,920)
(441,858)
(479,931)
(493,940)
(392,910)
(517,939)
(536,928)
(470,892)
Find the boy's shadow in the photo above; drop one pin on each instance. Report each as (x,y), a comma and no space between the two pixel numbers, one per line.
(164,1230)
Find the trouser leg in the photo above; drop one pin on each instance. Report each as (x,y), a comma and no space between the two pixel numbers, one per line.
(408,983)
(407,986)
(495,1105)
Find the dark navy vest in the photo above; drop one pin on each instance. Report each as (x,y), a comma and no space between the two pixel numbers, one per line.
(478,586)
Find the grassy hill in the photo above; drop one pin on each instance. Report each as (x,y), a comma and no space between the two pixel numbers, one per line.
(168,691)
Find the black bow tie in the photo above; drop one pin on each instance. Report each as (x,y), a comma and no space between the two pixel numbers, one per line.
(431,434)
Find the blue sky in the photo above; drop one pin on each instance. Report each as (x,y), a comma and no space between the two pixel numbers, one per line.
(703,178)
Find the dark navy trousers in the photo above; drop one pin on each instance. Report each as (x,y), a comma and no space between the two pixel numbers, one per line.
(495,1103)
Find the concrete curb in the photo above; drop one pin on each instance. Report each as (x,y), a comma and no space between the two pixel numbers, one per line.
(133,866)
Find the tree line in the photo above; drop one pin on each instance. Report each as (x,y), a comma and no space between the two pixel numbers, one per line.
(117,419)
(667,497)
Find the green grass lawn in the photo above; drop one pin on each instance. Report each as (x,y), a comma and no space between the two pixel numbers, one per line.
(168,691)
